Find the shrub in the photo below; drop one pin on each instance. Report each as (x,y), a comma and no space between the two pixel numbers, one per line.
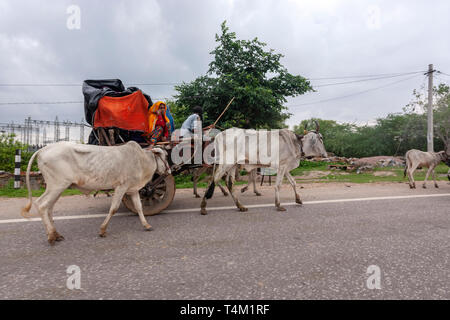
(8,148)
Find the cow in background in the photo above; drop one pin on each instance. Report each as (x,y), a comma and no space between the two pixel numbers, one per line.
(416,158)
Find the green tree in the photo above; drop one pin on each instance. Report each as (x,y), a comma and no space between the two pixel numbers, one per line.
(8,148)
(392,135)
(243,69)
(442,115)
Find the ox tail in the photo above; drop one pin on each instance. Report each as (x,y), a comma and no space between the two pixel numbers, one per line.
(407,164)
(26,210)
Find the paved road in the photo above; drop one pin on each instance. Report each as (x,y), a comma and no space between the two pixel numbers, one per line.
(318,251)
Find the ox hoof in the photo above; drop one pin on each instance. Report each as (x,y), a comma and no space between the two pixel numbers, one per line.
(244,189)
(298,201)
(196,196)
(424,186)
(258,194)
(436,186)
(102,234)
(225,194)
(53,237)
(148,228)
(243,209)
(281,209)
(203,212)
(58,237)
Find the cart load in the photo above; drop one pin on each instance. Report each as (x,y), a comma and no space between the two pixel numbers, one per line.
(116,113)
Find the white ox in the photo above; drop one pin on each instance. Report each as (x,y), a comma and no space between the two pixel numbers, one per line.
(290,149)
(416,158)
(126,169)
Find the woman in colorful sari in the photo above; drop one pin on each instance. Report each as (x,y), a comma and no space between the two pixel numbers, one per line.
(159,124)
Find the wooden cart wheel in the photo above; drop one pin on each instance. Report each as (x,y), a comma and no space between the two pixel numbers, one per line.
(154,201)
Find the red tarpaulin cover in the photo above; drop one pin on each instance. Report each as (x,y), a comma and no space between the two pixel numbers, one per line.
(128,112)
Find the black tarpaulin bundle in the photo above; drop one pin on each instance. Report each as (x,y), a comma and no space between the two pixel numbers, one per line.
(94,90)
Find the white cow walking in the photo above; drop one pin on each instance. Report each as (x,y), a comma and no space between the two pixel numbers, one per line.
(126,169)
(291,148)
(416,158)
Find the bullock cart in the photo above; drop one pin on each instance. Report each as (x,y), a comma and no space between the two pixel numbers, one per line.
(118,115)
(158,193)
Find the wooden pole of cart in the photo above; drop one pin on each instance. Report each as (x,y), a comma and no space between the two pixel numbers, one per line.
(226,108)
(218,118)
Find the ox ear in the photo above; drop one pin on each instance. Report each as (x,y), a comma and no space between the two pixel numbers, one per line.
(158,151)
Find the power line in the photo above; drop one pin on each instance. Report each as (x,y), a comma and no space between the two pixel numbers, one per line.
(157,84)
(381,75)
(370,79)
(365,76)
(200,96)
(79,85)
(81,102)
(353,94)
(443,73)
(36,102)
(439,75)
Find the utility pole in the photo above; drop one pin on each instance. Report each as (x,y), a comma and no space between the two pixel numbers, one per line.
(81,131)
(430,138)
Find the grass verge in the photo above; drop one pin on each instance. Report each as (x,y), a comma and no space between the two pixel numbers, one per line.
(301,174)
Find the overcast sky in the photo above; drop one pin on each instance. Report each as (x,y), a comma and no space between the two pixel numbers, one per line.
(169,41)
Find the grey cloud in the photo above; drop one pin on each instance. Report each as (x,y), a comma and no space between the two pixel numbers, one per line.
(170,41)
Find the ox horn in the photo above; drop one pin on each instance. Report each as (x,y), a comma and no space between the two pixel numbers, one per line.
(317,125)
(305,131)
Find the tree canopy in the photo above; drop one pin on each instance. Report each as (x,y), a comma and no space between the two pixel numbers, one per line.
(391,135)
(442,115)
(246,70)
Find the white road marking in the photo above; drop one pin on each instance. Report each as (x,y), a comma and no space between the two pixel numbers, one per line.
(265,205)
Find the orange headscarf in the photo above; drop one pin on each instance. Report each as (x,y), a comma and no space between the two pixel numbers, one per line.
(153,115)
